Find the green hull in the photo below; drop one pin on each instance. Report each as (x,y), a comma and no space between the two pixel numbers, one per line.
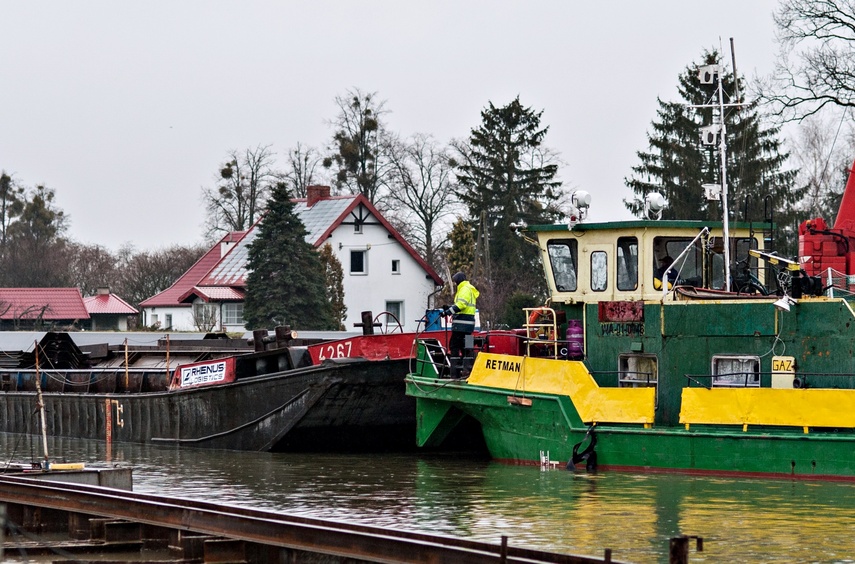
(550,426)
(697,379)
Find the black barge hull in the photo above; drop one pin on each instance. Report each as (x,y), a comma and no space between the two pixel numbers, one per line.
(339,398)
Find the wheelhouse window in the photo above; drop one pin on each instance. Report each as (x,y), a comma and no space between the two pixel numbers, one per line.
(563,259)
(638,371)
(736,371)
(687,270)
(599,271)
(359,262)
(697,268)
(745,273)
(627,263)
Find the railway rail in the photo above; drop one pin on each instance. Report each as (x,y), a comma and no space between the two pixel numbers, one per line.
(94,519)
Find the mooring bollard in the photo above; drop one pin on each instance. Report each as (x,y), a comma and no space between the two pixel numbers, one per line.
(678,550)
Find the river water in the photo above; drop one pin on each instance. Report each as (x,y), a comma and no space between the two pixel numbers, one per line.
(468,496)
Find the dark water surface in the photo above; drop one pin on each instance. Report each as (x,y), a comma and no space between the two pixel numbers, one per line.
(741,520)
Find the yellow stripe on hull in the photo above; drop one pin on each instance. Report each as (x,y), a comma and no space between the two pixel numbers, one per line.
(769,406)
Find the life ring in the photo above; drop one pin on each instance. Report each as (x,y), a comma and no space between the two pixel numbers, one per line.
(538,317)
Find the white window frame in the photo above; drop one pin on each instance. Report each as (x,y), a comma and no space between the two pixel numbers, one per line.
(228,315)
(396,266)
(732,378)
(399,305)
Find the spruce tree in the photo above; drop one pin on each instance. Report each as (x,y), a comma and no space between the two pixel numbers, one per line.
(286,282)
(507,177)
(677,163)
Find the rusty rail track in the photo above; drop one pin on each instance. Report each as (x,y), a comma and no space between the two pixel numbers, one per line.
(276,537)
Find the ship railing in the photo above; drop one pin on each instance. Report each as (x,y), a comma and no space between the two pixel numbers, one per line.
(627,378)
(556,349)
(434,357)
(823,380)
(86,380)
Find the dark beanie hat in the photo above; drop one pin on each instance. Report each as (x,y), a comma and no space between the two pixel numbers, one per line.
(458,278)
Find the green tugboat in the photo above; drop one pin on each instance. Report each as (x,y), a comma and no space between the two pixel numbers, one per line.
(746,370)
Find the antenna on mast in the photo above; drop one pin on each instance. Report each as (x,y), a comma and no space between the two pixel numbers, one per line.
(713,135)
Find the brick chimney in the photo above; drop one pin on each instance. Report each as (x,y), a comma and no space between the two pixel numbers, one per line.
(315,193)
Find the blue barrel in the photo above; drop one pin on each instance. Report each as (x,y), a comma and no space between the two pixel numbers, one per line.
(433,320)
(575,339)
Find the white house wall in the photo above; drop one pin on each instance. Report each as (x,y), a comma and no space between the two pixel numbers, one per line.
(371,291)
(182,317)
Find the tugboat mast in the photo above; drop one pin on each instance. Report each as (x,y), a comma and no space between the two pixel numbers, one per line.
(723,156)
(717,132)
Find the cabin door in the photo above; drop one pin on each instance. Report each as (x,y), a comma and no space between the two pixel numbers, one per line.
(597,269)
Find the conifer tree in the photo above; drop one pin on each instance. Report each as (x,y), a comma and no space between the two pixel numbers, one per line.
(677,163)
(334,275)
(507,177)
(459,256)
(286,282)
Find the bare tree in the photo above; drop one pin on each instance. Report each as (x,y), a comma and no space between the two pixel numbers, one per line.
(204,317)
(241,192)
(304,166)
(815,66)
(361,145)
(142,275)
(91,267)
(425,187)
(822,156)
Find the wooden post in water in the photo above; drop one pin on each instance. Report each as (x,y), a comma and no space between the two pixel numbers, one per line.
(41,405)
(678,550)
(127,376)
(108,427)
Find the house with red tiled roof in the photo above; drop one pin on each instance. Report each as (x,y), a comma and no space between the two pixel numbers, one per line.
(107,311)
(41,308)
(382,272)
(173,309)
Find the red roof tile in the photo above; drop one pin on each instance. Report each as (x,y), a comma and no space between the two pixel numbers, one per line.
(108,303)
(47,303)
(171,297)
(216,293)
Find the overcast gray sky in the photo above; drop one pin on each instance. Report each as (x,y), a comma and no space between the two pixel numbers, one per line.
(126,109)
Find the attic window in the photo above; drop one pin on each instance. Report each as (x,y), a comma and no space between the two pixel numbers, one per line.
(396,266)
(357,227)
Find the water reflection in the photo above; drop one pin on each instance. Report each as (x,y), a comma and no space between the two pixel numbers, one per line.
(456,495)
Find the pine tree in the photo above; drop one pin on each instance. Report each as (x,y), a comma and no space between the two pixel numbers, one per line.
(286,282)
(677,164)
